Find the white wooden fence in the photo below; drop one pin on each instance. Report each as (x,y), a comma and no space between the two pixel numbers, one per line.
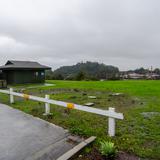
(109,113)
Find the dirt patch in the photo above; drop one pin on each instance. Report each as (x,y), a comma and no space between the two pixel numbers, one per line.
(95,155)
(126,156)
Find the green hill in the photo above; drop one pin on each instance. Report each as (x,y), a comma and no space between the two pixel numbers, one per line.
(87,70)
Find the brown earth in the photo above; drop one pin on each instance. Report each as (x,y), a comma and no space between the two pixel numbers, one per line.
(95,155)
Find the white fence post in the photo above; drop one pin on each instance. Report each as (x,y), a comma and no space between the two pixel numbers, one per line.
(47,106)
(111,124)
(11,96)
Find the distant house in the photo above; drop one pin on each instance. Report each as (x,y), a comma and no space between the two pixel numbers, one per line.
(153,76)
(21,72)
(136,76)
(132,75)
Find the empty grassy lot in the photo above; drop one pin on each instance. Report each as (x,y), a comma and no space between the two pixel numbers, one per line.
(138,133)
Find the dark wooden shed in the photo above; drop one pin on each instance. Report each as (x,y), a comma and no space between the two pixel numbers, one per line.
(21,72)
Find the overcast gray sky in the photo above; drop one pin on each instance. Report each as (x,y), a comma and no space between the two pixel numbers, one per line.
(125,33)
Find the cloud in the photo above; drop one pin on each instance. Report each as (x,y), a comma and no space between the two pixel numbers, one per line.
(123,33)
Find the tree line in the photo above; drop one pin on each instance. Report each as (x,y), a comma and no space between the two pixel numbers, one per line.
(93,71)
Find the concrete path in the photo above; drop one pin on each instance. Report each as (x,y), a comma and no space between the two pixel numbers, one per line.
(24,137)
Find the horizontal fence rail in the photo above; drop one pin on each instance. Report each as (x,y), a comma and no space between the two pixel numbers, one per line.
(109,113)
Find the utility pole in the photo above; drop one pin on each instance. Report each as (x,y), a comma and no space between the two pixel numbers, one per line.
(151,72)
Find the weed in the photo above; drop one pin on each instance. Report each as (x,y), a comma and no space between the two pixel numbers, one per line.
(107,149)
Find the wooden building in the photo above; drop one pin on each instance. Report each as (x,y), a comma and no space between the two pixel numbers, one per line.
(21,72)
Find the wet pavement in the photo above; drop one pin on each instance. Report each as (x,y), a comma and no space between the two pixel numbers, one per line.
(24,137)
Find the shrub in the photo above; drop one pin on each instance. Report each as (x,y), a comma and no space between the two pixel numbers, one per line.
(107,149)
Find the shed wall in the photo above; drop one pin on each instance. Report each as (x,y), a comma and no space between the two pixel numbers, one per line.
(25,76)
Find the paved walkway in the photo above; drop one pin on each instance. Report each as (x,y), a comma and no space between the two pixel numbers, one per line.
(24,137)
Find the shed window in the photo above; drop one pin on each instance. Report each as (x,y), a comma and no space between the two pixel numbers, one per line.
(42,73)
(36,73)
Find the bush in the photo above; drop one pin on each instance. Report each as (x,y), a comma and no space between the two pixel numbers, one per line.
(108,149)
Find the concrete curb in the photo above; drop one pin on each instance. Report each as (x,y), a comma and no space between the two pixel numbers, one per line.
(76,149)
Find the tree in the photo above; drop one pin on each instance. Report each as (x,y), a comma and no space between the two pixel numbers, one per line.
(49,74)
(141,71)
(80,76)
(157,71)
(59,77)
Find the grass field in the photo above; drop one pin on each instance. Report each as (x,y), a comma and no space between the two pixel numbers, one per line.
(138,133)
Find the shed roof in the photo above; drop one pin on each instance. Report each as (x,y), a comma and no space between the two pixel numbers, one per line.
(12,64)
